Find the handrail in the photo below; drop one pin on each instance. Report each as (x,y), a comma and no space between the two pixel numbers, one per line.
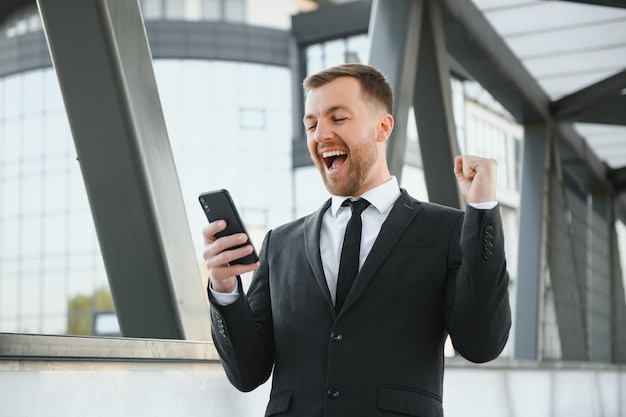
(18,346)
(59,348)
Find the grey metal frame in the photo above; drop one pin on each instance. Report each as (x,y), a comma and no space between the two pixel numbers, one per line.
(396,30)
(531,238)
(15,346)
(101,57)
(407,44)
(479,49)
(602,102)
(432,104)
(564,272)
(476,46)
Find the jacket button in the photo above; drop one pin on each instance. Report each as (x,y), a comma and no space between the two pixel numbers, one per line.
(336,337)
(488,246)
(333,393)
(488,254)
(489,229)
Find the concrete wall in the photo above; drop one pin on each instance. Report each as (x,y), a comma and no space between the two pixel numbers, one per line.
(31,388)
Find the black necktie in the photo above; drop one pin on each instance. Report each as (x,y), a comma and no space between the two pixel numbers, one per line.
(349,263)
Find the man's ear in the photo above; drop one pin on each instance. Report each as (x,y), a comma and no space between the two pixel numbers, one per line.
(385,127)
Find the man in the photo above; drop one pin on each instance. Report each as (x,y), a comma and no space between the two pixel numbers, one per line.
(425,271)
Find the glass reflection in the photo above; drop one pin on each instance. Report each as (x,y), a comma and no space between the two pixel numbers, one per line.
(228,127)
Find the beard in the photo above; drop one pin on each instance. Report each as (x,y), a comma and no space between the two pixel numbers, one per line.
(361,160)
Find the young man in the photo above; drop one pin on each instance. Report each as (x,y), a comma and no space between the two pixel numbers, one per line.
(373,347)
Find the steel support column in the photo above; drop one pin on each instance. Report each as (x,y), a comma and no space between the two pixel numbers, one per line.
(407,45)
(563,274)
(101,57)
(618,302)
(432,103)
(394,32)
(602,102)
(598,277)
(531,238)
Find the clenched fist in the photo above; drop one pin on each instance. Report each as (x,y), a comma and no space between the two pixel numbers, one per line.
(477,178)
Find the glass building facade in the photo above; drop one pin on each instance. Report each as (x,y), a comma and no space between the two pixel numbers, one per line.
(48,250)
(230,126)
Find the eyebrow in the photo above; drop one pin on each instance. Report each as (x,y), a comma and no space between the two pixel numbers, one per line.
(329,111)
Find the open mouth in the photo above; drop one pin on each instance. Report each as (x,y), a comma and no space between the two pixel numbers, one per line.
(334,159)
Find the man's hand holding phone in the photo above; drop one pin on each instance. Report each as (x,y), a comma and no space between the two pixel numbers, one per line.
(227,249)
(219,254)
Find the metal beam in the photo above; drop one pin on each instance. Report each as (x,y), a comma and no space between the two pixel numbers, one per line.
(531,242)
(101,57)
(618,177)
(475,44)
(598,277)
(593,173)
(565,277)
(602,102)
(331,22)
(432,103)
(394,39)
(55,349)
(618,303)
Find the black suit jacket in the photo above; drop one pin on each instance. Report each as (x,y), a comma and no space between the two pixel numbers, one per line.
(433,270)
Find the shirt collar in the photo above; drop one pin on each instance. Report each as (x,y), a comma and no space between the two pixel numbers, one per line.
(380,197)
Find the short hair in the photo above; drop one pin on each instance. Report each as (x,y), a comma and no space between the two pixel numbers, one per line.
(373,83)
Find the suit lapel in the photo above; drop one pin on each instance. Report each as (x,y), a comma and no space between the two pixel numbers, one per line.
(312,227)
(402,214)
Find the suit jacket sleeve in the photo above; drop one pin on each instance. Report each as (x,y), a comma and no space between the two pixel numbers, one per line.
(478,314)
(243,333)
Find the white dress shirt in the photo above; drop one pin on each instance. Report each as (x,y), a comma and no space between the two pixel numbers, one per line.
(335,221)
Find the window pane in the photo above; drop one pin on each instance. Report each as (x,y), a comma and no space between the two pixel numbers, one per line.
(33,92)
(211,10)
(12,96)
(152,9)
(41,192)
(235,10)
(174,9)
(193,9)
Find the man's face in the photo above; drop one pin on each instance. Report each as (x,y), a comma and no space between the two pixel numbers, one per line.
(341,130)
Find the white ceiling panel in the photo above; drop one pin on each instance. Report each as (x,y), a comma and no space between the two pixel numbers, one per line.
(566,84)
(544,16)
(597,60)
(566,47)
(607,35)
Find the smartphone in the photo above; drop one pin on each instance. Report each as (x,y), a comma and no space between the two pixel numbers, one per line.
(219,205)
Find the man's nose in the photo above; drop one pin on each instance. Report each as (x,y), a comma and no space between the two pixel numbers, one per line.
(322,132)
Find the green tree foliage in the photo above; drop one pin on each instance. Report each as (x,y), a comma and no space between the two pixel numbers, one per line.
(81,310)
